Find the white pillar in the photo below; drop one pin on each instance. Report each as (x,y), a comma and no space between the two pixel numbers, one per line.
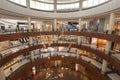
(108,45)
(80,24)
(55,63)
(55,11)
(86,24)
(79,40)
(55,51)
(29,24)
(55,38)
(29,29)
(32,55)
(55,24)
(30,41)
(111,23)
(104,64)
(38,26)
(79,29)
(55,6)
(2,74)
(30,38)
(78,54)
(106,23)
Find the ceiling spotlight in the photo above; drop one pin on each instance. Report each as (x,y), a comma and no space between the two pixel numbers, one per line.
(49,44)
(48,57)
(62,56)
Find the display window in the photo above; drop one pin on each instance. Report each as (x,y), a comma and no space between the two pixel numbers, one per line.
(4,45)
(94,43)
(101,43)
(67,26)
(94,25)
(98,43)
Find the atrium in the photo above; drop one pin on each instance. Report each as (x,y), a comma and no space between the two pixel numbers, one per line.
(59,40)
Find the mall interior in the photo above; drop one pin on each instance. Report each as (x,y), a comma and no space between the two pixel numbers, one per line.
(59,40)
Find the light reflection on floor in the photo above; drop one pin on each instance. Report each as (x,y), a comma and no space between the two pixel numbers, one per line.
(58,74)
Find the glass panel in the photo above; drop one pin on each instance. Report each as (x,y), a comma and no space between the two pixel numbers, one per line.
(41,5)
(11,0)
(32,4)
(67,1)
(16,1)
(96,2)
(72,6)
(68,7)
(46,6)
(21,2)
(46,1)
(77,5)
(85,4)
(102,1)
(90,3)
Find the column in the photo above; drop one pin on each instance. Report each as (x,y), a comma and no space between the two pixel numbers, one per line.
(55,24)
(30,38)
(29,30)
(79,40)
(55,51)
(80,24)
(28,4)
(104,63)
(30,41)
(38,26)
(106,23)
(32,55)
(55,6)
(55,11)
(79,29)
(29,24)
(2,75)
(80,4)
(55,63)
(78,54)
(108,45)
(56,38)
(111,23)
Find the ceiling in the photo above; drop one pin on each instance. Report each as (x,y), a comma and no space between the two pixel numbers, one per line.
(8,14)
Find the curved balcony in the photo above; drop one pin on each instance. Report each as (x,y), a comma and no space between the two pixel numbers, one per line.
(101,54)
(23,71)
(109,37)
(21,60)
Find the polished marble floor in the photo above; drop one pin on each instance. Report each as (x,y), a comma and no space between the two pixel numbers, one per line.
(58,74)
